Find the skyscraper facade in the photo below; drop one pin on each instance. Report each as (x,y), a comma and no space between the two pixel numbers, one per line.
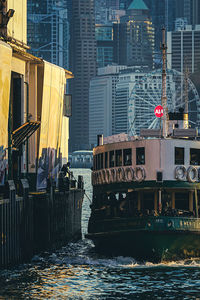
(107,12)
(195,12)
(189,9)
(184,49)
(48,30)
(83,66)
(134,36)
(102,102)
(104,38)
(163,15)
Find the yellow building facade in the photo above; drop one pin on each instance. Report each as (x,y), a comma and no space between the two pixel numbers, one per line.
(17,26)
(33,129)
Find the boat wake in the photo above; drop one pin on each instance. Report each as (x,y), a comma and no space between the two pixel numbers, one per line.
(83,253)
(78,272)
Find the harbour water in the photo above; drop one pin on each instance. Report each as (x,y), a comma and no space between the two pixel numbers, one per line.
(77,272)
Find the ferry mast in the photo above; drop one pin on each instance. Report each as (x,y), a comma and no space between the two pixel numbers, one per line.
(164,76)
(186,75)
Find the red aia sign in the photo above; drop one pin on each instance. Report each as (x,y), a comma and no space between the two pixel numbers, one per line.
(158,111)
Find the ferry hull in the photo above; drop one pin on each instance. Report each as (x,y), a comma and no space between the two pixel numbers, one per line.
(155,245)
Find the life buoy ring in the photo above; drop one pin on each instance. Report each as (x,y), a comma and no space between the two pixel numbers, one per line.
(129,174)
(140,170)
(120,174)
(192,174)
(112,175)
(180,173)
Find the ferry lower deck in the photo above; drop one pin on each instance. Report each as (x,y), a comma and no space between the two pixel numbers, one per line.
(122,200)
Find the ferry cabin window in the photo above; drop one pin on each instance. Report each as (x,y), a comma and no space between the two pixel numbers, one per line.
(118,158)
(127,157)
(195,157)
(106,160)
(147,202)
(94,162)
(179,156)
(98,161)
(182,201)
(101,161)
(140,156)
(112,159)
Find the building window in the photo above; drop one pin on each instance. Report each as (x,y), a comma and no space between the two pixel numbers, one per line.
(127,157)
(179,156)
(112,159)
(118,158)
(195,157)
(140,156)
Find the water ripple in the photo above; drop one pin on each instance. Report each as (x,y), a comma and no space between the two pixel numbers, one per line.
(77,272)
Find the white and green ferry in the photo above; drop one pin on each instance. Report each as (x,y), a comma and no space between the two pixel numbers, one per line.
(146,191)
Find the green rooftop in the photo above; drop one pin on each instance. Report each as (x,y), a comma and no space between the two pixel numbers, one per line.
(138,4)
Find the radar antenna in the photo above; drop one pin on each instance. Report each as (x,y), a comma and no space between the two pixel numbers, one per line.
(186,75)
(164,76)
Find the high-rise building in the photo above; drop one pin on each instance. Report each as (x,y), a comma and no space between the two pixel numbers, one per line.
(104,38)
(134,36)
(163,15)
(195,12)
(48,30)
(184,9)
(107,12)
(83,66)
(184,49)
(102,102)
(189,9)
(115,4)
(101,12)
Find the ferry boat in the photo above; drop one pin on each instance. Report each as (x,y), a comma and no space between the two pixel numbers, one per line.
(146,191)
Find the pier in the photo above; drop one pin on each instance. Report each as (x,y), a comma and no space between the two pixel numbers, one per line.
(37,221)
(40,207)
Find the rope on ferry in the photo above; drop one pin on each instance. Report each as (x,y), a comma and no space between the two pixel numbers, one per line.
(87,197)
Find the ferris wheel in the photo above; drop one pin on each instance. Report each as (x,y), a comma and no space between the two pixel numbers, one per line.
(146,95)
